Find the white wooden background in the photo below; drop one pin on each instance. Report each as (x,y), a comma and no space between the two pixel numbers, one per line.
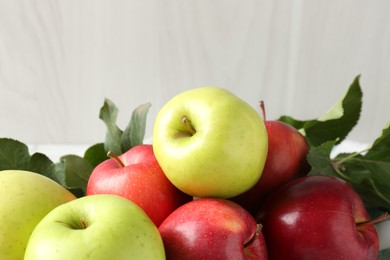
(59,59)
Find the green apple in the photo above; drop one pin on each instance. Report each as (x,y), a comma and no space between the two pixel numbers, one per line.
(25,198)
(96,227)
(210,143)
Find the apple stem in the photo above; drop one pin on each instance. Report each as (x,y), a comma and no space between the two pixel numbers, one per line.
(116,158)
(258,229)
(187,123)
(381,218)
(262,106)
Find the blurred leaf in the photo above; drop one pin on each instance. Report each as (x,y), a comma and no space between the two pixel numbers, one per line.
(135,131)
(334,124)
(14,155)
(384,254)
(109,113)
(40,163)
(96,154)
(73,172)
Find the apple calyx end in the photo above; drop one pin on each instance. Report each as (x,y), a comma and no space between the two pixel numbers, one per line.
(188,125)
(257,232)
(116,158)
(383,217)
(83,224)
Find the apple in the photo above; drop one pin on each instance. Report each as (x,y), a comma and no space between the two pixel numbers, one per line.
(102,226)
(286,161)
(210,143)
(25,198)
(137,176)
(212,228)
(317,217)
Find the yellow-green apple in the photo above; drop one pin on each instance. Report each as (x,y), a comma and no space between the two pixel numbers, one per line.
(137,176)
(210,143)
(286,161)
(317,217)
(25,198)
(212,228)
(102,226)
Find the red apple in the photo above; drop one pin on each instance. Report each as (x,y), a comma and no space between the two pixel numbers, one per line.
(286,161)
(137,176)
(317,217)
(211,228)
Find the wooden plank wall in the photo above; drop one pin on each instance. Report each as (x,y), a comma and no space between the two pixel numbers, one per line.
(59,59)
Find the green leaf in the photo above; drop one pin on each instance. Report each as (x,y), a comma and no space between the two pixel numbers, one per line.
(96,154)
(14,155)
(319,159)
(109,113)
(135,131)
(298,124)
(381,146)
(40,163)
(384,254)
(375,166)
(372,185)
(73,172)
(367,171)
(334,124)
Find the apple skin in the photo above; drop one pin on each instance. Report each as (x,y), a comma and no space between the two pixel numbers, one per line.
(286,161)
(25,198)
(141,180)
(212,228)
(226,154)
(96,227)
(315,217)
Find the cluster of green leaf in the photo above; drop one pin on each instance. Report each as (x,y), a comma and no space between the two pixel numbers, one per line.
(73,171)
(367,171)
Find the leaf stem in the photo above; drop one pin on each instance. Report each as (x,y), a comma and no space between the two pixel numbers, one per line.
(372,183)
(336,167)
(352,155)
(378,192)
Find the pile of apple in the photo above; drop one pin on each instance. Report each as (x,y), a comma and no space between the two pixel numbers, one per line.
(218,182)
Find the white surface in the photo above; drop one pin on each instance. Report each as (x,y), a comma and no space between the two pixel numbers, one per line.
(60,59)
(349,146)
(383,229)
(55,151)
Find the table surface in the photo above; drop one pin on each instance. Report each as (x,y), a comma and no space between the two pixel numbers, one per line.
(55,151)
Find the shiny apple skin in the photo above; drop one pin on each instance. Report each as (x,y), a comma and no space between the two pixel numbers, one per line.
(286,161)
(141,180)
(315,217)
(211,228)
